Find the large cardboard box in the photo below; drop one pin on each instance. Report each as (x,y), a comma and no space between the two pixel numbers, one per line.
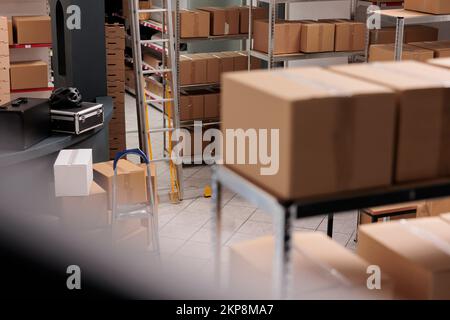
(32,29)
(193,69)
(73,173)
(191,106)
(414,33)
(223,21)
(287,36)
(240,60)
(429,6)
(316,37)
(413,252)
(244,18)
(423,114)
(29,75)
(349,35)
(88,212)
(441,49)
(212,67)
(321,269)
(307,108)
(10,32)
(194,24)
(226,62)
(386,52)
(131,185)
(442,62)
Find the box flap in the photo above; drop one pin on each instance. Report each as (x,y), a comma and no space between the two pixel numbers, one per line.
(440,62)
(123,167)
(424,242)
(446,217)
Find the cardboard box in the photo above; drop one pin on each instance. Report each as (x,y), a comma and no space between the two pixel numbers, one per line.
(422,115)
(10,33)
(349,35)
(385,52)
(429,6)
(244,18)
(396,209)
(413,253)
(226,62)
(316,37)
(154,86)
(4,98)
(419,33)
(29,75)
(194,24)
(307,107)
(191,106)
(442,62)
(151,60)
(32,29)
(131,187)
(287,36)
(321,269)
(193,70)
(433,208)
(413,33)
(88,212)
(446,217)
(223,21)
(240,60)
(73,173)
(441,49)
(212,67)
(212,105)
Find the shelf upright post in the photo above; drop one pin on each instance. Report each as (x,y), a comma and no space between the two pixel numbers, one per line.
(271,42)
(217,225)
(399,35)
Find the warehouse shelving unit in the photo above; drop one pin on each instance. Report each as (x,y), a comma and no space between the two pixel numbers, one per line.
(272,58)
(400,18)
(23,52)
(285,212)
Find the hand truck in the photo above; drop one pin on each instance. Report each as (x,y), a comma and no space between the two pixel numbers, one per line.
(148,210)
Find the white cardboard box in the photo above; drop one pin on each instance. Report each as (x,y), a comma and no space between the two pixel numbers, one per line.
(73,173)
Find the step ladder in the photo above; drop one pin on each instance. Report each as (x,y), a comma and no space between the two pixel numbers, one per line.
(169,73)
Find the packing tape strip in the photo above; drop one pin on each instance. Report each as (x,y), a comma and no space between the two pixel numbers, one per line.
(437,241)
(326,268)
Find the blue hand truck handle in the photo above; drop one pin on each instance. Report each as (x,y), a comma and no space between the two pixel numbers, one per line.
(122,154)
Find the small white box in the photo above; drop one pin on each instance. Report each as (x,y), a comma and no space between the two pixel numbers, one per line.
(73,173)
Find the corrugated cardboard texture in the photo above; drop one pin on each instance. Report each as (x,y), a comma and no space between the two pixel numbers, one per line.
(308,113)
(322,269)
(29,75)
(423,116)
(441,49)
(287,36)
(412,253)
(386,52)
(429,6)
(32,29)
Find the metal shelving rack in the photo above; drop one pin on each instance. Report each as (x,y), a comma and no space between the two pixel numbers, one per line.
(271,58)
(400,18)
(285,212)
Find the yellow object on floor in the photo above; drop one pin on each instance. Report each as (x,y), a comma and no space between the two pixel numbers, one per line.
(207,192)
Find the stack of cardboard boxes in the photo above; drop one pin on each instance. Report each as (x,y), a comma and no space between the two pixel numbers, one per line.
(4,62)
(115,60)
(86,202)
(310,36)
(30,30)
(215,21)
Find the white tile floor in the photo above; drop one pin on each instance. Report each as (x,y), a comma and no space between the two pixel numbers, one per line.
(186,228)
